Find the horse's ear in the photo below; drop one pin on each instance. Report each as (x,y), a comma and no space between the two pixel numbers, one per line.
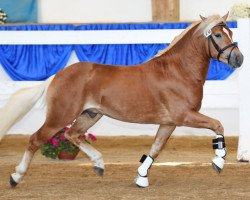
(225,16)
(203,18)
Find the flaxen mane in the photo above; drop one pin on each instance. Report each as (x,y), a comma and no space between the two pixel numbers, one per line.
(202,27)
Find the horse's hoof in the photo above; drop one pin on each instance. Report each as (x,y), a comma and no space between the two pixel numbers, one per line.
(218,163)
(243,160)
(13,183)
(99,171)
(216,168)
(141,182)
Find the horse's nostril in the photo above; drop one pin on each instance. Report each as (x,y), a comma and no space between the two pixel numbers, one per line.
(239,59)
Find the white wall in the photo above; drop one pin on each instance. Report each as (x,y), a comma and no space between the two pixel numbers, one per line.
(191,9)
(94,11)
(110,11)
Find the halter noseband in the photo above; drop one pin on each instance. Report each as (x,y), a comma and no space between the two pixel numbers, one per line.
(208,34)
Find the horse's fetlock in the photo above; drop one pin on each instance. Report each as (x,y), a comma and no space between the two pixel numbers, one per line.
(97,157)
(20,170)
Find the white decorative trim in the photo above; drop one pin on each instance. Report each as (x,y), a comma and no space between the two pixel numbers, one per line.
(91,37)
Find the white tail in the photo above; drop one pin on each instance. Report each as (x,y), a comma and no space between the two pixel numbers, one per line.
(19,104)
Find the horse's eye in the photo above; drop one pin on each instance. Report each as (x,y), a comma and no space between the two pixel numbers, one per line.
(218,35)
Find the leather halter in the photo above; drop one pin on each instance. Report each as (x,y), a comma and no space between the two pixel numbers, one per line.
(208,34)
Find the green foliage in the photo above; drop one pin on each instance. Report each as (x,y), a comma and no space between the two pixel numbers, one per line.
(59,143)
(49,150)
(67,146)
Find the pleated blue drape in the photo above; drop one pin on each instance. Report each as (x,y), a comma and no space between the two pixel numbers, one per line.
(122,54)
(38,62)
(132,54)
(34,62)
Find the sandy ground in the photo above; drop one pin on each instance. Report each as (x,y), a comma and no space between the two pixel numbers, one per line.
(195,179)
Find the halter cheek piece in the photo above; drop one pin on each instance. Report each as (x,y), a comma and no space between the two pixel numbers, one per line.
(208,34)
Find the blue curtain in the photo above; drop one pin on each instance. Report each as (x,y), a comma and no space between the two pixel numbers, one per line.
(38,62)
(122,54)
(20,10)
(34,62)
(132,54)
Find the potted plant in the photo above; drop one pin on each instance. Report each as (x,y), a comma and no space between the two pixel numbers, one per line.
(60,147)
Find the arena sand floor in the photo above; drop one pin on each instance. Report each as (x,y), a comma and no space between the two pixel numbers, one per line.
(192,178)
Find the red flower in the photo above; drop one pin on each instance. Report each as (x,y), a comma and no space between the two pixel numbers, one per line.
(54,142)
(83,137)
(63,138)
(92,137)
(66,129)
(49,141)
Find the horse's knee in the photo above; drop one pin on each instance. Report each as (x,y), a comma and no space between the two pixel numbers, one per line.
(36,140)
(218,127)
(74,138)
(34,145)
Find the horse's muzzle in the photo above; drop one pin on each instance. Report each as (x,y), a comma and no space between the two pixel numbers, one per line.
(236,59)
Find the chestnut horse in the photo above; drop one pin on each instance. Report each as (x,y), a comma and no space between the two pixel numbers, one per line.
(167,90)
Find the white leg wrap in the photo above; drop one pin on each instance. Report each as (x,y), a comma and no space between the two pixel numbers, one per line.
(142,179)
(143,169)
(220,152)
(93,154)
(22,167)
(219,162)
(17,177)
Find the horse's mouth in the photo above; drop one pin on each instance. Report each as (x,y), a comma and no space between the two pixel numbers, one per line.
(236,60)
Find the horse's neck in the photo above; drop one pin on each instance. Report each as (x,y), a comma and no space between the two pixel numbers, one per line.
(190,56)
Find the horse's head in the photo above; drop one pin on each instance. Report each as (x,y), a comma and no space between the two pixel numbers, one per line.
(219,41)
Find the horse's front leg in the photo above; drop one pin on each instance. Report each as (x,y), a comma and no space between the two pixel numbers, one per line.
(161,138)
(198,120)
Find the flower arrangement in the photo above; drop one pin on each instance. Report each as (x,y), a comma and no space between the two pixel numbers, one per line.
(239,10)
(3,17)
(60,144)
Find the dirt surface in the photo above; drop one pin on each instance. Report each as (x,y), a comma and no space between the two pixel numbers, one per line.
(193,179)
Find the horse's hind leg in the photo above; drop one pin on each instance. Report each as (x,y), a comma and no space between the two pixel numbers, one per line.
(36,140)
(82,124)
(161,138)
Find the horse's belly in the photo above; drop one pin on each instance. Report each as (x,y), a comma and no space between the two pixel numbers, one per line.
(140,115)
